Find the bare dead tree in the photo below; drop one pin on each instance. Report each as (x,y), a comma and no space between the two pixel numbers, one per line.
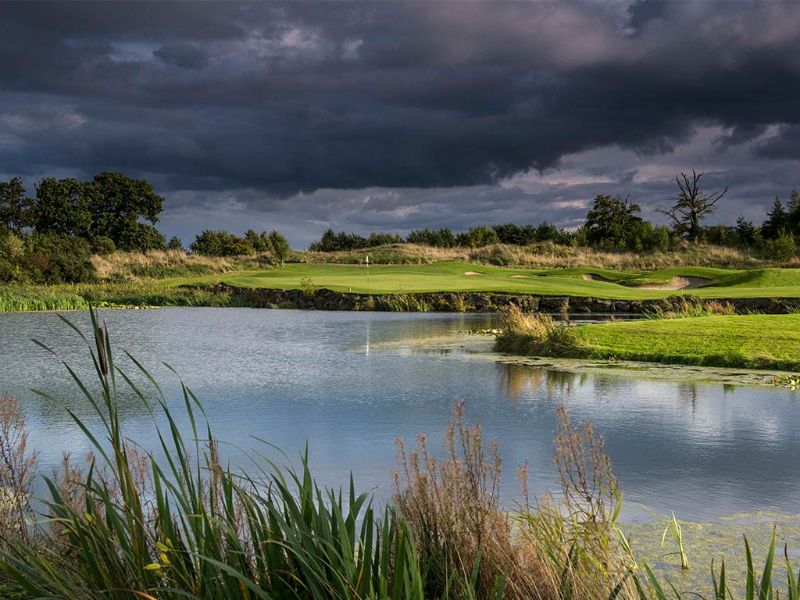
(692,204)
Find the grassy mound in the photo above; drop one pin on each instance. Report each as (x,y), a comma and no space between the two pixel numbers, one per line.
(746,341)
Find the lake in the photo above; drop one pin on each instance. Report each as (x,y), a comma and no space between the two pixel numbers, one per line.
(349,384)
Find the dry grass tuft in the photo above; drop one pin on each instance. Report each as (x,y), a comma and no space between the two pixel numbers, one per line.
(18,464)
(537,334)
(453,508)
(548,549)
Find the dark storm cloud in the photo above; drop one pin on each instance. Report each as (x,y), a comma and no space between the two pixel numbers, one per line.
(183,55)
(279,99)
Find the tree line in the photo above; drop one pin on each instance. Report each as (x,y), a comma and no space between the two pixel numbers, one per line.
(50,236)
(615,223)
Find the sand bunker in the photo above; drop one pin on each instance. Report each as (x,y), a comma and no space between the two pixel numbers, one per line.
(520,276)
(472,273)
(677,283)
(593,277)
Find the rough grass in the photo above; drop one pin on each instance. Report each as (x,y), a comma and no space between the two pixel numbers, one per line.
(125,266)
(548,255)
(744,341)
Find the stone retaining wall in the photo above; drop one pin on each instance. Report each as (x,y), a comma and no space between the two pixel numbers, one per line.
(323,299)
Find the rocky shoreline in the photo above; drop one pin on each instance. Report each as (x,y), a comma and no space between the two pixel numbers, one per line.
(325,299)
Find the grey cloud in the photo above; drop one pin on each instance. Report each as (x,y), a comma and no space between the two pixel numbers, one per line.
(784,144)
(285,99)
(186,56)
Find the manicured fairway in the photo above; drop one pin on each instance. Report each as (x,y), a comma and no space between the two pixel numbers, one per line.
(457,276)
(754,341)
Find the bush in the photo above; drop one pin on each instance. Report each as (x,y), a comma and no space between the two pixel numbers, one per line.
(439,238)
(175,243)
(477,237)
(141,238)
(781,248)
(221,243)
(103,245)
(52,258)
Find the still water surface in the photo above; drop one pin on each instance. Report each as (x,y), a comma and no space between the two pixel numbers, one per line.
(349,385)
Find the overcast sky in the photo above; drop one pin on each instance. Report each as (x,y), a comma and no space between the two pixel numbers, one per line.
(394,116)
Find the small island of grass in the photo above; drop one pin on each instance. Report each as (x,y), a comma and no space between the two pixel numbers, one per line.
(742,341)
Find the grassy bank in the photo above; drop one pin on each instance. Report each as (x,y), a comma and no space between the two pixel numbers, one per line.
(107,295)
(176,279)
(746,341)
(126,525)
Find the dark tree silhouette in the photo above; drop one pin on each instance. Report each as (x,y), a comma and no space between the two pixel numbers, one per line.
(692,204)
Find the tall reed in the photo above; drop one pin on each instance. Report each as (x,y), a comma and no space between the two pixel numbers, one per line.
(189,527)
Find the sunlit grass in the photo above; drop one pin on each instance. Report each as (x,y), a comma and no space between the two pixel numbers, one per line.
(749,341)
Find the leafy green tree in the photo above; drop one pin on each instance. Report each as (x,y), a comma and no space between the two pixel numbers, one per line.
(547,232)
(141,237)
(720,235)
(782,247)
(103,245)
(745,233)
(175,243)
(509,233)
(379,238)
(612,222)
(332,242)
(660,239)
(777,221)
(61,207)
(14,205)
(280,245)
(477,237)
(793,213)
(220,243)
(54,258)
(260,243)
(439,238)
(118,205)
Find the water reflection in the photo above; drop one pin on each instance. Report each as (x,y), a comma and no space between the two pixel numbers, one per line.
(516,380)
(349,384)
